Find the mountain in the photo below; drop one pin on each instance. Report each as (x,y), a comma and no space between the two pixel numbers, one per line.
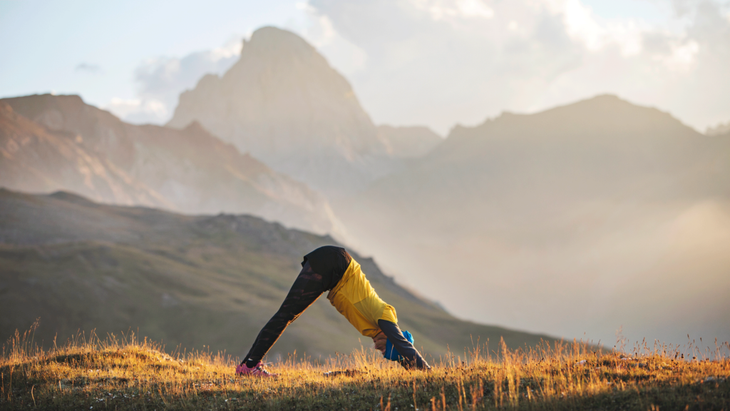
(718,129)
(61,143)
(615,208)
(284,104)
(409,142)
(40,160)
(210,280)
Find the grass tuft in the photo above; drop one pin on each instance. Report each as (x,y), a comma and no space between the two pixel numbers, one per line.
(127,374)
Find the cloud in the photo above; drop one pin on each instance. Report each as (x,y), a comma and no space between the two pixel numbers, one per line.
(583,26)
(88,68)
(442,62)
(138,111)
(439,9)
(161,80)
(438,62)
(347,57)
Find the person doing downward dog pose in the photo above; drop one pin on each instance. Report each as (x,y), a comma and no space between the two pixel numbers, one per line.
(332,269)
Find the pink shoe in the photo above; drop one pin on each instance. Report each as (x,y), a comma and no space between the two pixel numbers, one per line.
(255,371)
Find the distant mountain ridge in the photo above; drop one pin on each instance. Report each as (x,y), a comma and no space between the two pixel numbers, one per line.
(210,280)
(409,142)
(39,160)
(188,170)
(285,105)
(581,205)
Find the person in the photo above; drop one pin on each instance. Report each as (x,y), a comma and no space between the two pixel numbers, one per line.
(332,269)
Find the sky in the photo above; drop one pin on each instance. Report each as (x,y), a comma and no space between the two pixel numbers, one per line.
(411,62)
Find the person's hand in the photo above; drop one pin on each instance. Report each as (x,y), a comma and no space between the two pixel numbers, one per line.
(379,341)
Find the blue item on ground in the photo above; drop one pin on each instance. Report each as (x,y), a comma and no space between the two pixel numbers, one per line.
(391,353)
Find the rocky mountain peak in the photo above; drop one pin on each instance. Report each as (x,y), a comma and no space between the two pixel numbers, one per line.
(281,44)
(284,104)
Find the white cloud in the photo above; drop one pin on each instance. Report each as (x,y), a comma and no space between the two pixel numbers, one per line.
(344,55)
(682,56)
(439,62)
(138,110)
(88,68)
(474,8)
(440,9)
(161,80)
(123,107)
(583,25)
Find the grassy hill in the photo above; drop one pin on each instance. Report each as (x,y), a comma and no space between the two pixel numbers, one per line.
(129,375)
(195,281)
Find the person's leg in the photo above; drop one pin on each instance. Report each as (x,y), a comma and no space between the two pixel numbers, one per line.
(306,289)
(413,358)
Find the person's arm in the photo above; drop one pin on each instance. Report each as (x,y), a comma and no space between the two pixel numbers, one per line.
(413,358)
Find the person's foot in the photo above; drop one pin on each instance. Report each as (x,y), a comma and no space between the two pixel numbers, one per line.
(255,371)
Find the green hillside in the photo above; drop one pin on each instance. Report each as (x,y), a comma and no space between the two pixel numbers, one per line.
(193,281)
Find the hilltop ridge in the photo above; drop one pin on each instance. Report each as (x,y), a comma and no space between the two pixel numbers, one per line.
(188,170)
(210,280)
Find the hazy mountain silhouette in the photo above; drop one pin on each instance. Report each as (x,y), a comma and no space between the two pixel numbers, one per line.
(284,104)
(40,160)
(77,147)
(619,209)
(191,280)
(720,129)
(409,142)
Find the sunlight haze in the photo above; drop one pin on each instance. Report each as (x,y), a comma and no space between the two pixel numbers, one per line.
(429,62)
(554,167)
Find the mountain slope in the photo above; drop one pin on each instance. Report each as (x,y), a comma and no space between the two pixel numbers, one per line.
(191,280)
(39,160)
(602,204)
(409,142)
(285,105)
(187,170)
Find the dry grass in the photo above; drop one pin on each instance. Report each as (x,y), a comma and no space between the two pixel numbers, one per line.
(124,373)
